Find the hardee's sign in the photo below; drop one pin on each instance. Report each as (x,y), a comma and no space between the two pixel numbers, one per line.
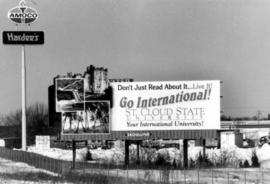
(23,37)
(22,14)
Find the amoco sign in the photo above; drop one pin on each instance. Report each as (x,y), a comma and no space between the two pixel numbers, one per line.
(22,14)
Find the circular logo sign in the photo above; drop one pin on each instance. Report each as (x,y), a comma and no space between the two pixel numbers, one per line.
(22,14)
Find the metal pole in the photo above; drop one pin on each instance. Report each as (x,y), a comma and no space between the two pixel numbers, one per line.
(212,176)
(138,153)
(228,176)
(184,176)
(185,152)
(23,99)
(262,178)
(198,176)
(73,153)
(245,179)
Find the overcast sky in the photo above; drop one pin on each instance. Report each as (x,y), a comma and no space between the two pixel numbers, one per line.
(148,40)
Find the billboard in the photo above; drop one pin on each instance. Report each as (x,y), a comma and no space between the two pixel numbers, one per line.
(174,105)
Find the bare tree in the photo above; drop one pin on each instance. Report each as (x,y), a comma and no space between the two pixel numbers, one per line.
(37,121)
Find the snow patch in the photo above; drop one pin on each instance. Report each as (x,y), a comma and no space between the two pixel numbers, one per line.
(263,156)
(60,153)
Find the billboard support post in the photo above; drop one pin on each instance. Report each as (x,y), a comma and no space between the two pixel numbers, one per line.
(204,144)
(23,99)
(185,152)
(138,152)
(73,153)
(126,152)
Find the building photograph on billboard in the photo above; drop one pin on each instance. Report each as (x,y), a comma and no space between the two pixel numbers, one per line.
(174,105)
(96,86)
(69,95)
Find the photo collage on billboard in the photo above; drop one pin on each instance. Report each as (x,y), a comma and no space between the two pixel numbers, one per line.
(84,107)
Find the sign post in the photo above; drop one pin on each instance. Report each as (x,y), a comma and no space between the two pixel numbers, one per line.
(24,143)
(23,14)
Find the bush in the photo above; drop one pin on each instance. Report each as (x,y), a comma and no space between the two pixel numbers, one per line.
(192,163)
(241,164)
(246,164)
(255,160)
(174,164)
(160,160)
(203,161)
(227,159)
(88,156)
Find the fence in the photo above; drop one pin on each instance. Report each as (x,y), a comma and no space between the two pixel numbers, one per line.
(177,176)
(119,174)
(36,160)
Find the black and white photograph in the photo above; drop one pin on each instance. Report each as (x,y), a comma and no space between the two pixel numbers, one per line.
(94,120)
(96,84)
(73,122)
(97,116)
(135,91)
(69,95)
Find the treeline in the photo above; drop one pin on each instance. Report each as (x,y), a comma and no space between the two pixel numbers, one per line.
(37,119)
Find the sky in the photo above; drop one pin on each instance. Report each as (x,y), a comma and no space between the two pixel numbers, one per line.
(147,40)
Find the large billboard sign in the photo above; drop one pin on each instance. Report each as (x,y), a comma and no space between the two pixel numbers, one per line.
(174,105)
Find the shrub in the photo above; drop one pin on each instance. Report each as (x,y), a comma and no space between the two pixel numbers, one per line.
(174,164)
(192,163)
(227,159)
(160,160)
(246,164)
(88,156)
(241,164)
(203,161)
(255,160)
